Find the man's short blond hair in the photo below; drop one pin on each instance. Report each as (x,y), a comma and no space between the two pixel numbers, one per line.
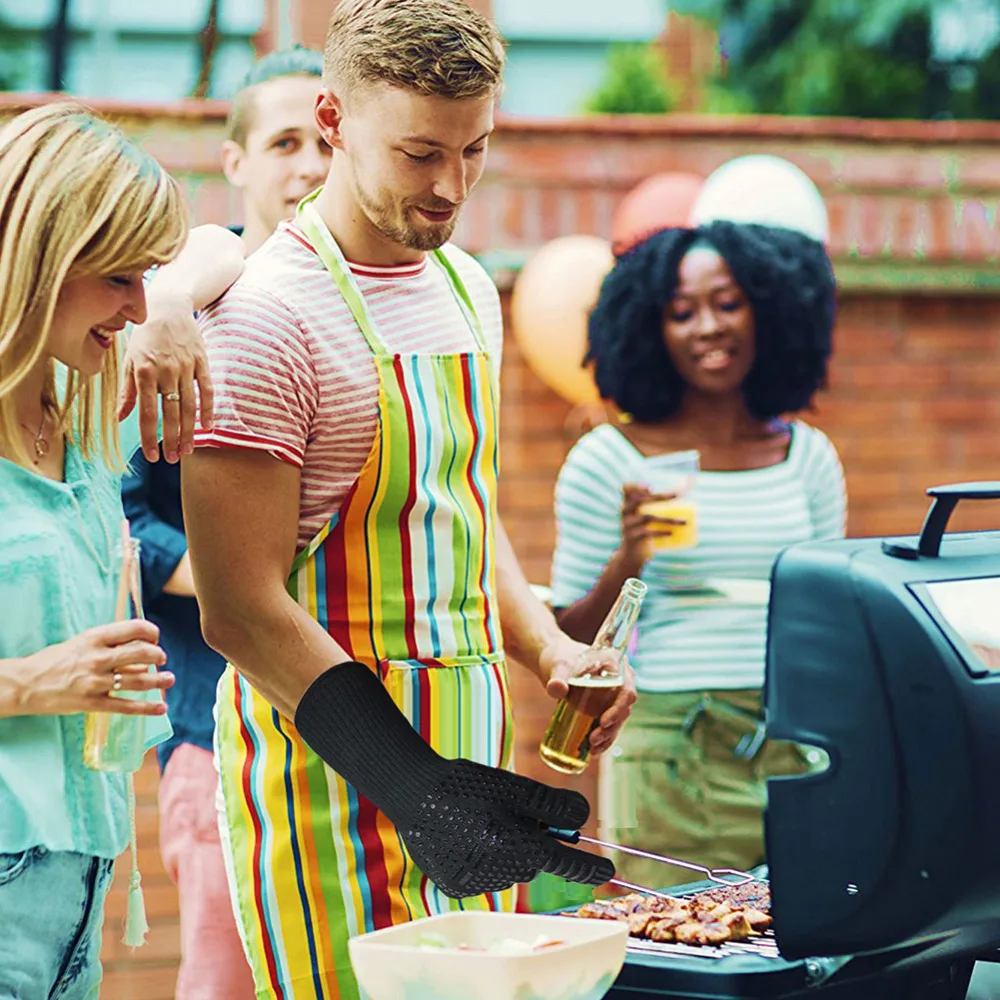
(441,48)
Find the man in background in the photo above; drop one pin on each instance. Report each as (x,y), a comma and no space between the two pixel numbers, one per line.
(273,156)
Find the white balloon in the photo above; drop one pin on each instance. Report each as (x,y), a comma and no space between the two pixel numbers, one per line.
(766,190)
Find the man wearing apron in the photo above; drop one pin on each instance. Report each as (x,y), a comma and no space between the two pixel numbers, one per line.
(344,536)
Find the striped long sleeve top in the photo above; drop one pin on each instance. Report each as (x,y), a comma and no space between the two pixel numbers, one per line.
(703,623)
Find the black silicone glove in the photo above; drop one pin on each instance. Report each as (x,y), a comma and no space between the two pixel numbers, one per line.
(470,828)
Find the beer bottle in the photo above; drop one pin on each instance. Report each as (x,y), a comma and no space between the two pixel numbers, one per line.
(594,685)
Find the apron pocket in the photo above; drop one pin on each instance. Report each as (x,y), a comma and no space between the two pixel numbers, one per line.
(461,706)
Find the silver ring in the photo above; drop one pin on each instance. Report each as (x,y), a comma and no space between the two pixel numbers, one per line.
(174,397)
(116,682)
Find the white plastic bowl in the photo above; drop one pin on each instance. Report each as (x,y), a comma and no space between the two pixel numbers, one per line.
(390,964)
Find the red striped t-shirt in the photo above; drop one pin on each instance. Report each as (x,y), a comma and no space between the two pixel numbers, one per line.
(293,374)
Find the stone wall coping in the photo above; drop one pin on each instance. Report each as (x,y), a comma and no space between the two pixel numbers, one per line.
(777,127)
(183,110)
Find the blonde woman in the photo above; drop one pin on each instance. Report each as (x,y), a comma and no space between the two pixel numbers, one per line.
(83,213)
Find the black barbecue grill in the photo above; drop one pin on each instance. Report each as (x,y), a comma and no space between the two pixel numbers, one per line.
(884,868)
(933,967)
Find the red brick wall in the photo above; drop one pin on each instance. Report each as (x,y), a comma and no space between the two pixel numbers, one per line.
(309,19)
(690,49)
(915,386)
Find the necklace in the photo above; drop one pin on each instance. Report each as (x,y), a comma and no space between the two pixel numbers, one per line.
(40,444)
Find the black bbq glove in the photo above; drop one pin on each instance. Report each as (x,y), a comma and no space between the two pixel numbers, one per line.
(470,828)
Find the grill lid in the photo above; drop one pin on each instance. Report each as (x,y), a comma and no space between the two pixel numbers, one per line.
(885,655)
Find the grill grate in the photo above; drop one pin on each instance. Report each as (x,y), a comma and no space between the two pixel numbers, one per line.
(764,946)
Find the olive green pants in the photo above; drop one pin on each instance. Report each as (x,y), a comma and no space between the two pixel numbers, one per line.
(687,778)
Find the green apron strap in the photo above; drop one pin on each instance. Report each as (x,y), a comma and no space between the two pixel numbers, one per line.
(463,299)
(333,259)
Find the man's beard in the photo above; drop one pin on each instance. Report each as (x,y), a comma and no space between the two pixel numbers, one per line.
(398,231)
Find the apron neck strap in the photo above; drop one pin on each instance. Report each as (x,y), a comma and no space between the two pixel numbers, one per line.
(462,297)
(309,220)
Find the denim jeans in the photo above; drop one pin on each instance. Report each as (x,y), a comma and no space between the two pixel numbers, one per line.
(51,914)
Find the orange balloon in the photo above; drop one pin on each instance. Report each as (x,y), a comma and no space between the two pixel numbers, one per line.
(659,202)
(550,305)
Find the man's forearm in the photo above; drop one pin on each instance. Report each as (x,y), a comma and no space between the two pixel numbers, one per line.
(528,625)
(241,570)
(274,643)
(212,259)
(181,582)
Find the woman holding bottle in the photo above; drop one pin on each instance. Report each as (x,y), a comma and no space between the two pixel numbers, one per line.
(704,340)
(83,213)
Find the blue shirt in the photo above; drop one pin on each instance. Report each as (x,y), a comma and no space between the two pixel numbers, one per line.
(151,493)
(60,557)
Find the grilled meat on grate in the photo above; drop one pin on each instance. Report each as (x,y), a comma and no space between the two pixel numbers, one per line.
(714,917)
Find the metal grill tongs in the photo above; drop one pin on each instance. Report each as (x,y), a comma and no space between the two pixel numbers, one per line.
(724,876)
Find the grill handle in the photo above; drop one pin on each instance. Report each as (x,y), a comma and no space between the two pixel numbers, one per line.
(567,836)
(945,500)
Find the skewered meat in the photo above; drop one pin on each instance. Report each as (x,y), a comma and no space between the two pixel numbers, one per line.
(725,914)
(662,930)
(665,923)
(638,923)
(756,894)
(759,920)
(696,932)
(711,913)
(738,925)
(598,911)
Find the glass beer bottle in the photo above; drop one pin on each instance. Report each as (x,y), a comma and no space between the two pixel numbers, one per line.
(113,742)
(594,685)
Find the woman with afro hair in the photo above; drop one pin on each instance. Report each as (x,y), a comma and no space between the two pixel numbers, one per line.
(706,339)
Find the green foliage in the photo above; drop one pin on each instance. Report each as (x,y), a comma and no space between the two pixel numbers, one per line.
(859,58)
(718,99)
(634,83)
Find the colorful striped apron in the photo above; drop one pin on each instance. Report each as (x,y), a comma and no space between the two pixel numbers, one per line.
(403,578)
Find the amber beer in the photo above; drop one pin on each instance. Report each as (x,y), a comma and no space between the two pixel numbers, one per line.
(594,686)
(566,746)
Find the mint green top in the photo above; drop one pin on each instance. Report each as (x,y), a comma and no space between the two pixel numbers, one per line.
(60,553)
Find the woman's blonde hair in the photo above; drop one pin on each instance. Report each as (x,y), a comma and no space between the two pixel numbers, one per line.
(76,199)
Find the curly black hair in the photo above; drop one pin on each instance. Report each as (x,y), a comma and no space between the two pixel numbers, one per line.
(788,280)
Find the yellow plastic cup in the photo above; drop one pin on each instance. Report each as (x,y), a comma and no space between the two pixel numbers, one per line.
(675,472)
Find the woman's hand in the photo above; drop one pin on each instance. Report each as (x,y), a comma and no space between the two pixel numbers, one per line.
(640,530)
(166,357)
(82,674)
